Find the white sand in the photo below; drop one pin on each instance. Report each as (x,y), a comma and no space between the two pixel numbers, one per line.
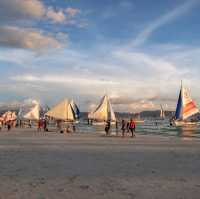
(50,165)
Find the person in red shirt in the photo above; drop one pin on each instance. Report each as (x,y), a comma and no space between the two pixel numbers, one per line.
(132,127)
(39,124)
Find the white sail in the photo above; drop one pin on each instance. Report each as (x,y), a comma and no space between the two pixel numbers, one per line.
(162,112)
(62,111)
(104,111)
(34,113)
(112,113)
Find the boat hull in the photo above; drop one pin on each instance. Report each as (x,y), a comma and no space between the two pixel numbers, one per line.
(139,121)
(185,123)
(102,123)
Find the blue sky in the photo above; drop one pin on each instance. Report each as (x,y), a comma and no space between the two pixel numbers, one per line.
(136,51)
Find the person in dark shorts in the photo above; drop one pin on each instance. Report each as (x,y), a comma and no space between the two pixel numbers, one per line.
(132,127)
(107,127)
(8,126)
(127,127)
(123,128)
(73,127)
(45,125)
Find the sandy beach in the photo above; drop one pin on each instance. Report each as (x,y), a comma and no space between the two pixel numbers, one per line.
(82,165)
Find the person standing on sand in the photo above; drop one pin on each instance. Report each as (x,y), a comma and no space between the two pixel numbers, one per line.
(8,125)
(107,127)
(132,127)
(45,125)
(39,125)
(123,128)
(1,125)
(73,127)
(116,127)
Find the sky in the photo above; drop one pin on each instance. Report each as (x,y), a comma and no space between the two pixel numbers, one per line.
(136,51)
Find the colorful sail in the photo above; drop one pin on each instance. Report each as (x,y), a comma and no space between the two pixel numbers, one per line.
(75,108)
(186,107)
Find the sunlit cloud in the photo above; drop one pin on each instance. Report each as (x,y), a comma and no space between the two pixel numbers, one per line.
(56,16)
(26,38)
(72,12)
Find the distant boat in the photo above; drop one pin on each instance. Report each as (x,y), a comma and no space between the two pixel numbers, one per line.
(186,107)
(103,112)
(62,111)
(138,119)
(162,113)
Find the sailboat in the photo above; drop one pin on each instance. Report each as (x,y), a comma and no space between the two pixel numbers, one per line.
(34,113)
(9,116)
(186,107)
(162,113)
(30,113)
(62,111)
(103,112)
(75,109)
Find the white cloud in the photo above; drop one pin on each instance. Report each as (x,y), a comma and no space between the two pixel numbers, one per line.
(143,77)
(56,16)
(58,79)
(72,12)
(147,63)
(167,18)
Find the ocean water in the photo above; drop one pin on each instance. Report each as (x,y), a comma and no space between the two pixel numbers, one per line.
(150,126)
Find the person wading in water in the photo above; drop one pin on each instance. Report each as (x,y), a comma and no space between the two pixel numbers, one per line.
(107,127)
(132,127)
(123,128)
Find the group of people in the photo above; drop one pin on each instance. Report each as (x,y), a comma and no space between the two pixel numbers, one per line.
(126,127)
(66,127)
(7,124)
(42,124)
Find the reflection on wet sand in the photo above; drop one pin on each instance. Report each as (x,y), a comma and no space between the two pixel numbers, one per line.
(188,131)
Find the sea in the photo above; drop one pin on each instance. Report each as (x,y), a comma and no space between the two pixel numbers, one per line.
(151,126)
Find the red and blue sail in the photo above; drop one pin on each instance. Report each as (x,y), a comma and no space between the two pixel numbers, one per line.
(186,107)
(179,107)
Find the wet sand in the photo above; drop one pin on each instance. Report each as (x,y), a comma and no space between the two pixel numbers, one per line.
(51,165)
